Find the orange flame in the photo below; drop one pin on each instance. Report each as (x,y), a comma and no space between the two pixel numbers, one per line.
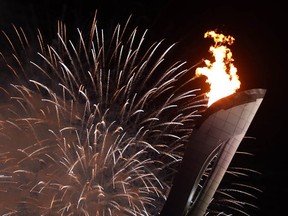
(221,74)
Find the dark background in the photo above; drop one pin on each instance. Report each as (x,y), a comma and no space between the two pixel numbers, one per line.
(259,51)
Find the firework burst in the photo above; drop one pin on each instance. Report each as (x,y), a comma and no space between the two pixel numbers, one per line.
(91,126)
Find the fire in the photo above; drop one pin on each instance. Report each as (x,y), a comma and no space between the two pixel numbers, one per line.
(221,74)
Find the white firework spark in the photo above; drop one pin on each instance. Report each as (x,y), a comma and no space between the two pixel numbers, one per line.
(92,127)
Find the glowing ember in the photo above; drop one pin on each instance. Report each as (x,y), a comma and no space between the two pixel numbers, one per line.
(221,74)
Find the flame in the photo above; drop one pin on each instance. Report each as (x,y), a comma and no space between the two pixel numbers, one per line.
(221,74)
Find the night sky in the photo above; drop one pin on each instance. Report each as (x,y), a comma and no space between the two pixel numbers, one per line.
(259,51)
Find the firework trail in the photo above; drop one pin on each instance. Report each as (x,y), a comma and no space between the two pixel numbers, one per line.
(92,126)
(236,195)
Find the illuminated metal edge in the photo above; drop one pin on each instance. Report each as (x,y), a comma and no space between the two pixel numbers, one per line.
(232,100)
(218,133)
